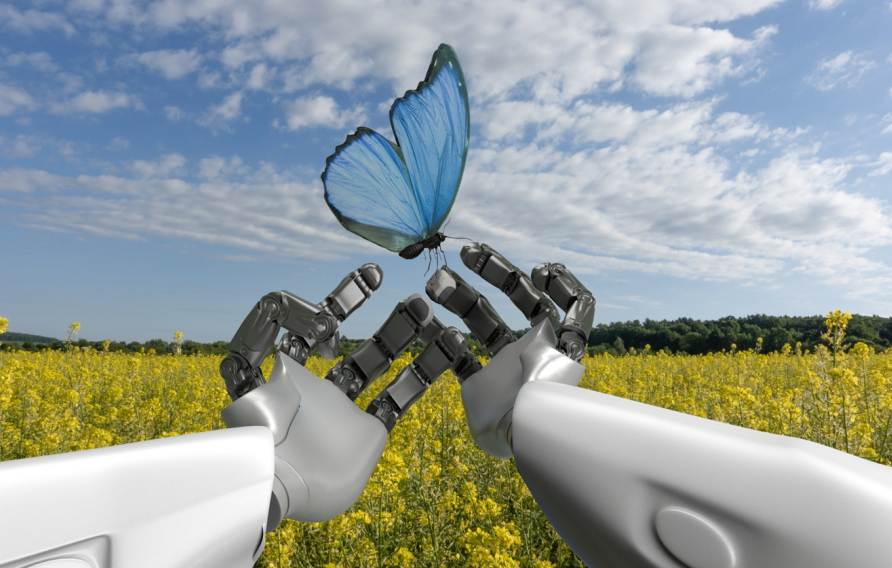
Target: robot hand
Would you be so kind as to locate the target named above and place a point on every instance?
(635, 486)
(549, 352)
(326, 448)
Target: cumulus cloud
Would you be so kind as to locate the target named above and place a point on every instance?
(164, 167)
(172, 64)
(33, 20)
(883, 165)
(23, 146)
(844, 69)
(824, 5)
(685, 61)
(657, 196)
(13, 98)
(174, 113)
(95, 102)
(313, 111)
(217, 168)
(219, 115)
(40, 60)
(118, 143)
(664, 48)
(887, 120)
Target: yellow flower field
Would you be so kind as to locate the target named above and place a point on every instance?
(435, 499)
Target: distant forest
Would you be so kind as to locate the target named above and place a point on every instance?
(682, 336)
(696, 337)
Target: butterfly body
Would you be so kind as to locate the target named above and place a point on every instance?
(415, 249)
(398, 195)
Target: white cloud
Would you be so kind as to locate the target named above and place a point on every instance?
(684, 61)
(164, 167)
(23, 146)
(664, 48)
(661, 199)
(887, 119)
(226, 111)
(235, 56)
(13, 98)
(687, 186)
(260, 76)
(844, 69)
(883, 164)
(118, 143)
(33, 20)
(39, 60)
(823, 4)
(173, 113)
(172, 64)
(285, 218)
(586, 123)
(218, 168)
(95, 102)
(313, 111)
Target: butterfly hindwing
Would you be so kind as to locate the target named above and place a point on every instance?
(397, 195)
(368, 189)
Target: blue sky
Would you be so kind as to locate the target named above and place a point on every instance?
(160, 161)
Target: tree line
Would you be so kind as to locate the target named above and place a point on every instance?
(757, 332)
(681, 336)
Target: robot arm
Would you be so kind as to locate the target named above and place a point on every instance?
(628, 485)
(326, 448)
(301, 449)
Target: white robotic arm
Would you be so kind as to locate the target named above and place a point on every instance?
(195, 501)
(296, 447)
(628, 485)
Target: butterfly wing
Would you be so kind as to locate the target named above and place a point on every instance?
(367, 187)
(432, 128)
(396, 195)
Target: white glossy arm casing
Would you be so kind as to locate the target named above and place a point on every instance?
(628, 485)
(194, 501)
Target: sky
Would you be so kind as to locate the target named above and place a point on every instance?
(160, 161)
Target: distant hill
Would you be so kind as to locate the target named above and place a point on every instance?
(22, 337)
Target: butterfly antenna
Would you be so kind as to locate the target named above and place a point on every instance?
(445, 236)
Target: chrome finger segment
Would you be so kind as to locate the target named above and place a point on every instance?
(410, 384)
(450, 291)
(572, 297)
(356, 371)
(495, 269)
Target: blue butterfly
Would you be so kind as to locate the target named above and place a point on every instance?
(398, 195)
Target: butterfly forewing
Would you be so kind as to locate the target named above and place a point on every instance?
(432, 126)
